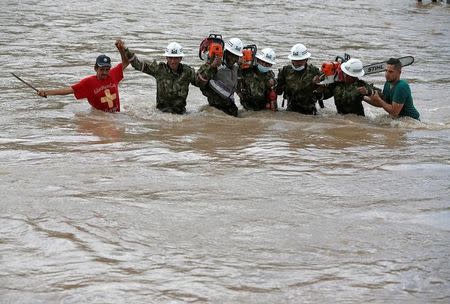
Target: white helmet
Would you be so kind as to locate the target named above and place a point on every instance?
(299, 52)
(353, 67)
(235, 46)
(174, 49)
(267, 55)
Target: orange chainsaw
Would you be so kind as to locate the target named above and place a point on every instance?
(248, 56)
(332, 70)
(212, 47)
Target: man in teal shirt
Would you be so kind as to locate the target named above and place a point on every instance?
(397, 101)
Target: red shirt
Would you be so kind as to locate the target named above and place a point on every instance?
(101, 94)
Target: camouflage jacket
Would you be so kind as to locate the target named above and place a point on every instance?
(172, 88)
(347, 98)
(253, 87)
(298, 88)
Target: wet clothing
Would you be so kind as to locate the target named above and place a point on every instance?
(172, 87)
(221, 87)
(401, 93)
(101, 94)
(298, 88)
(253, 87)
(347, 98)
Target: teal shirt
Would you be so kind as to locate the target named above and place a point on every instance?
(401, 93)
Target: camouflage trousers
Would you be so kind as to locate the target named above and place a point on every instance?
(355, 108)
(303, 109)
(171, 109)
(253, 104)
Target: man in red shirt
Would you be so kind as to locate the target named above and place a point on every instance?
(102, 89)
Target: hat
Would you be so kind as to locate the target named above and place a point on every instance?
(103, 61)
(174, 49)
(299, 52)
(266, 55)
(234, 46)
(353, 67)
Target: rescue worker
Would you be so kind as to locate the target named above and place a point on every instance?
(297, 81)
(256, 82)
(172, 78)
(218, 79)
(347, 96)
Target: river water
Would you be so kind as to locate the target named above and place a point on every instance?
(146, 207)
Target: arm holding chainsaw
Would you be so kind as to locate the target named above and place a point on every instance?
(207, 71)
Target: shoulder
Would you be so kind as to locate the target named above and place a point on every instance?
(402, 84)
(117, 71)
(117, 67)
(187, 68)
(269, 75)
(85, 83)
(88, 79)
(252, 70)
(313, 68)
(286, 69)
(205, 66)
(401, 88)
(362, 83)
(153, 64)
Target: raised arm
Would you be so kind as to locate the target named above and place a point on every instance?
(120, 45)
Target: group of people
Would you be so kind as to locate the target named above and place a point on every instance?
(223, 75)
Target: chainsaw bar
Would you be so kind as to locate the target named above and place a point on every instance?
(381, 66)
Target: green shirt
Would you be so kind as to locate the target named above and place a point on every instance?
(401, 93)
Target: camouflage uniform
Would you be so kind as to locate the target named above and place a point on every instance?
(347, 98)
(223, 103)
(298, 88)
(253, 87)
(172, 88)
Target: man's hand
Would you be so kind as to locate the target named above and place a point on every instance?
(316, 79)
(120, 45)
(216, 62)
(201, 79)
(374, 99)
(42, 93)
(363, 91)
